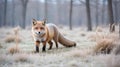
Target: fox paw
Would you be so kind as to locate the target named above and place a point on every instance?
(43, 50)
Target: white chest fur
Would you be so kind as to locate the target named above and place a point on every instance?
(39, 39)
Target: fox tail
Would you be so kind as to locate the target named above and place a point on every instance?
(65, 42)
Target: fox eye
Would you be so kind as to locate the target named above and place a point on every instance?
(42, 28)
(36, 28)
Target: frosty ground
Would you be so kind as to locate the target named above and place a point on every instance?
(78, 56)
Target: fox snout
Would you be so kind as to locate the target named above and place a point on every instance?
(40, 33)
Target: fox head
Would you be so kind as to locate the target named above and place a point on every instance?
(38, 27)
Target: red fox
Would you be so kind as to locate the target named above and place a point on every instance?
(45, 33)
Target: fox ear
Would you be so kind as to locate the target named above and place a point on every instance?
(44, 21)
(34, 22)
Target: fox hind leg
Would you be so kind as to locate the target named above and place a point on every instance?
(51, 44)
(56, 44)
(56, 40)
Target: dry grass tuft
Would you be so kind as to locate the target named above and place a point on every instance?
(11, 38)
(13, 50)
(97, 36)
(104, 46)
(16, 39)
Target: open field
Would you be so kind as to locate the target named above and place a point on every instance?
(80, 56)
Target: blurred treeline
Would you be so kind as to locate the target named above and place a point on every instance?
(87, 13)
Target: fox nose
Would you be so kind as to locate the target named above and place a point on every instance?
(39, 32)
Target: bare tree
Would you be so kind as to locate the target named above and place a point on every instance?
(97, 14)
(103, 11)
(58, 8)
(115, 3)
(24, 9)
(89, 25)
(119, 30)
(1, 12)
(110, 16)
(13, 13)
(5, 13)
(58, 11)
(70, 15)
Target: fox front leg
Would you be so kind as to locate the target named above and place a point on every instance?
(44, 47)
(37, 45)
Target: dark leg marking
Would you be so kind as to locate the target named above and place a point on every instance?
(51, 44)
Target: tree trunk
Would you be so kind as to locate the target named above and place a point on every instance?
(110, 16)
(119, 30)
(13, 13)
(58, 11)
(89, 25)
(1, 13)
(5, 13)
(24, 16)
(115, 11)
(70, 15)
(24, 9)
(103, 12)
(97, 12)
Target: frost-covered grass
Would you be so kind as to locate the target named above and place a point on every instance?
(79, 56)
